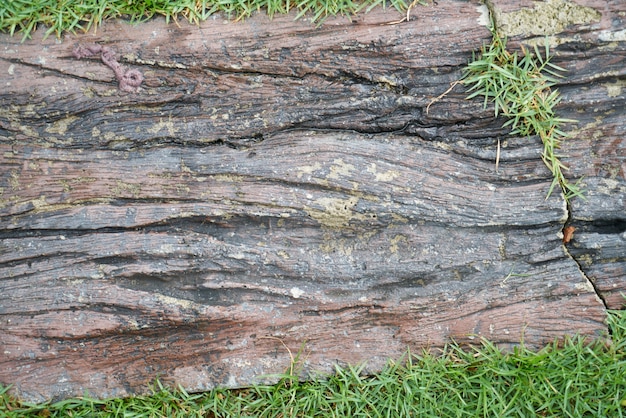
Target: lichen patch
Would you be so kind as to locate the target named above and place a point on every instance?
(164, 125)
(615, 89)
(546, 18)
(336, 213)
(309, 169)
(60, 127)
(181, 303)
(340, 168)
(386, 176)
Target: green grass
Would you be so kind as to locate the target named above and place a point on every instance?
(567, 379)
(59, 16)
(520, 87)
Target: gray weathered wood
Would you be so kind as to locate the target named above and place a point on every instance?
(275, 182)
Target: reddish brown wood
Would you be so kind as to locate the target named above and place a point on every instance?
(274, 182)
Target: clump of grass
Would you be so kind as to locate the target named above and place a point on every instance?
(571, 378)
(23, 16)
(520, 88)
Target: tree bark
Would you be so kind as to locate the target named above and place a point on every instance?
(276, 186)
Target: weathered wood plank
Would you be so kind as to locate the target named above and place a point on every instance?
(341, 76)
(282, 183)
(593, 94)
(590, 44)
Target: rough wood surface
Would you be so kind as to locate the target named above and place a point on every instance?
(274, 183)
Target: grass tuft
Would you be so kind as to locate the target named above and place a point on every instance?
(59, 16)
(569, 378)
(520, 87)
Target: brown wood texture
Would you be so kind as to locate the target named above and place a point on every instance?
(278, 185)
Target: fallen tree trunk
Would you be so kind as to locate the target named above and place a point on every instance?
(277, 185)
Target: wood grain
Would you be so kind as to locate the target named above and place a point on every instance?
(275, 182)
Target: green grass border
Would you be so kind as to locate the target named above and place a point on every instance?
(60, 16)
(569, 378)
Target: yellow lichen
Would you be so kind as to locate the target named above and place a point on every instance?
(545, 18)
(615, 89)
(121, 188)
(337, 213)
(340, 168)
(60, 126)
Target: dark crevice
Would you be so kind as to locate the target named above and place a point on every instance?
(55, 71)
(603, 226)
(165, 141)
(571, 256)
